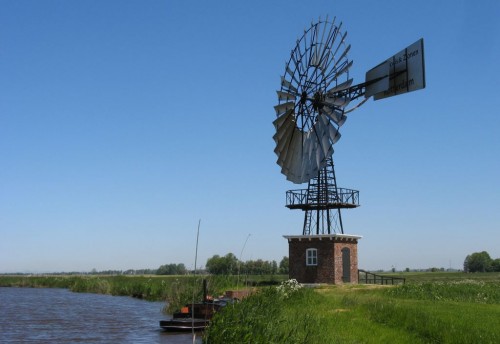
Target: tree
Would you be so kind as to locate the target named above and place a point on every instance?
(466, 264)
(478, 262)
(274, 267)
(284, 266)
(258, 267)
(226, 265)
(171, 269)
(495, 265)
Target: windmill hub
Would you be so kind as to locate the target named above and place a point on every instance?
(317, 102)
(303, 98)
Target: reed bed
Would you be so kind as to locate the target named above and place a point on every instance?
(176, 290)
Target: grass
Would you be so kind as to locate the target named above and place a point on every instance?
(145, 287)
(467, 290)
(455, 308)
(438, 276)
(176, 290)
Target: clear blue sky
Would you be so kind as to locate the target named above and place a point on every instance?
(122, 123)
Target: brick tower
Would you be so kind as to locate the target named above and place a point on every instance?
(323, 253)
(324, 258)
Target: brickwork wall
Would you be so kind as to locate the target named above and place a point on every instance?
(329, 268)
(353, 247)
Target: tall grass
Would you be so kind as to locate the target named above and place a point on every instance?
(264, 318)
(149, 288)
(441, 322)
(439, 312)
(439, 276)
(466, 290)
(37, 281)
(176, 290)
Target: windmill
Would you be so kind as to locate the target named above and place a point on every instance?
(316, 94)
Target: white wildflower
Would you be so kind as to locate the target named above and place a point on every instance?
(287, 288)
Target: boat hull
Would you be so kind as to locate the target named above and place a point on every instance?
(184, 324)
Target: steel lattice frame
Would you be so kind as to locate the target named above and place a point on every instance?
(322, 202)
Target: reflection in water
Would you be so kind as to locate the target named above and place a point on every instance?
(60, 316)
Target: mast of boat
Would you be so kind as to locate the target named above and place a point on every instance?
(239, 262)
(194, 288)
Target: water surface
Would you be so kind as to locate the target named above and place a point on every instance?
(41, 315)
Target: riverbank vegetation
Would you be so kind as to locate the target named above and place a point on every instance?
(176, 290)
(455, 308)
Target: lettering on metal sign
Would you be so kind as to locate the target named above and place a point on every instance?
(405, 72)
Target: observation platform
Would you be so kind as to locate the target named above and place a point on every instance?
(306, 200)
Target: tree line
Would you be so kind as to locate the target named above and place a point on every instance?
(216, 265)
(481, 262)
(230, 265)
(167, 269)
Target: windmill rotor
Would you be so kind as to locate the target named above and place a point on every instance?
(316, 89)
(312, 101)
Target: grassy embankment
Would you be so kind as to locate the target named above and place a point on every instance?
(430, 308)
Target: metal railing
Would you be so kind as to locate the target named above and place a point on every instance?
(371, 278)
(340, 196)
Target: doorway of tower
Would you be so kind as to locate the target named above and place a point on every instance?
(346, 265)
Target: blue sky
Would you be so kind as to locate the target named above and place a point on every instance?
(122, 123)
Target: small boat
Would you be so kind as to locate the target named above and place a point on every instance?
(195, 316)
(184, 324)
(192, 316)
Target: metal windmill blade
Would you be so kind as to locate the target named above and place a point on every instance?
(311, 104)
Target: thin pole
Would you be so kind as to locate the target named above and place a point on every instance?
(195, 261)
(239, 261)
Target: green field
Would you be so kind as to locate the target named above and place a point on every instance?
(429, 308)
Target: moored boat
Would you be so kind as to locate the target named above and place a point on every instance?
(195, 316)
(184, 324)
